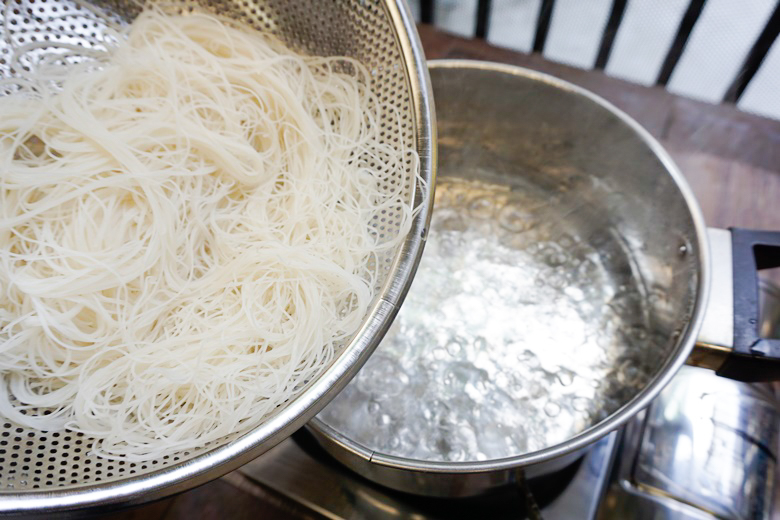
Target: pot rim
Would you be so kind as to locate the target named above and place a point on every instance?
(640, 401)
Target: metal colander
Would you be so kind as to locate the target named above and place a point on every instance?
(48, 471)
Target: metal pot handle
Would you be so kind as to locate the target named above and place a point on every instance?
(729, 340)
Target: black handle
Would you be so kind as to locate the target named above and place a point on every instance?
(753, 358)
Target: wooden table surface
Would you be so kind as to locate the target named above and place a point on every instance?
(731, 160)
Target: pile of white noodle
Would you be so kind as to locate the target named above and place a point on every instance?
(185, 232)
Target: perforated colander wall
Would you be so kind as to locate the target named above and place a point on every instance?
(35, 460)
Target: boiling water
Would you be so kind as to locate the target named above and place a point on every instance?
(516, 335)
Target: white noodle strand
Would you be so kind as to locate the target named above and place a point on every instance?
(185, 232)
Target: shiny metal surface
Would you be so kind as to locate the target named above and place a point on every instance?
(706, 447)
(330, 490)
(514, 128)
(716, 337)
(436, 479)
(583, 495)
(718, 326)
(706, 355)
(42, 472)
(769, 305)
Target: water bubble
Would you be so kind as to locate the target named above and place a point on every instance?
(481, 208)
(454, 348)
(552, 409)
(565, 377)
(580, 404)
(627, 373)
(450, 244)
(575, 293)
(529, 359)
(373, 407)
(566, 241)
(459, 374)
(514, 219)
(605, 340)
(638, 332)
(557, 281)
(409, 437)
(588, 269)
(517, 241)
(554, 257)
(493, 438)
(382, 376)
(626, 303)
(480, 343)
(450, 220)
(439, 353)
(463, 437)
(536, 390)
(657, 296)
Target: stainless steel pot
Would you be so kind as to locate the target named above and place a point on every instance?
(590, 164)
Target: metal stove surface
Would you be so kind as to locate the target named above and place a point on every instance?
(299, 470)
